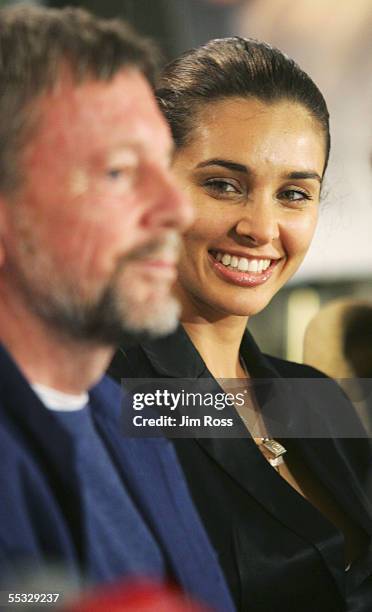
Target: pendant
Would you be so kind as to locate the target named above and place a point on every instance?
(276, 449)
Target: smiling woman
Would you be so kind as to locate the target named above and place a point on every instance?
(252, 145)
(253, 171)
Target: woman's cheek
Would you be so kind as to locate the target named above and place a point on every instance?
(197, 233)
(298, 233)
(210, 225)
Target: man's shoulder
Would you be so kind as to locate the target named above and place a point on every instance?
(110, 400)
(109, 396)
(13, 452)
(108, 390)
(20, 474)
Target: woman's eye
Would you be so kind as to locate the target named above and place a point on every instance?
(222, 187)
(295, 195)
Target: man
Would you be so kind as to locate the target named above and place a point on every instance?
(89, 218)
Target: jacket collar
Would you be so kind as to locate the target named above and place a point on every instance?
(29, 419)
(175, 356)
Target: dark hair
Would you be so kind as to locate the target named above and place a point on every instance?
(34, 44)
(238, 67)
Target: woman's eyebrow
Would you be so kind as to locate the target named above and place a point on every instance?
(304, 174)
(225, 163)
(235, 167)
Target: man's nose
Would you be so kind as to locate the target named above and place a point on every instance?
(259, 223)
(168, 206)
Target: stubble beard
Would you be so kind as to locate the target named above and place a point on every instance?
(112, 319)
(115, 316)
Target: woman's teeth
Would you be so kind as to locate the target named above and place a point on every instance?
(243, 264)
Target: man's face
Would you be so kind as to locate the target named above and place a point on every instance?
(90, 239)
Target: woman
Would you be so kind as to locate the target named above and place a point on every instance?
(252, 145)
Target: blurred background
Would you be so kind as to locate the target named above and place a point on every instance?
(332, 41)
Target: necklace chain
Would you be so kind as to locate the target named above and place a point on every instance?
(270, 448)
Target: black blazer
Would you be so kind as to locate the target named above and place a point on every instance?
(276, 549)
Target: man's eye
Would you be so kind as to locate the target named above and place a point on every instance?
(221, 186)
(120, 178)
(114, 173)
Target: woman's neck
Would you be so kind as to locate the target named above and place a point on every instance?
(217, 338)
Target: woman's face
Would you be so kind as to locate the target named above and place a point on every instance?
(253, 172)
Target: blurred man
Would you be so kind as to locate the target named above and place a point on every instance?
(89, 218)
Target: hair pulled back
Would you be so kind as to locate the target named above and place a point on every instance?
(234, 67)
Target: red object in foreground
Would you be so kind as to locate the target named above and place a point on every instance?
(135, 597)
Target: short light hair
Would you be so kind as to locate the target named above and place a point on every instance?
(34, 44)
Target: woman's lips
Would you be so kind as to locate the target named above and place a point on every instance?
(240, 278)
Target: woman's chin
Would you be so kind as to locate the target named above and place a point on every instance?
(230, 301)
(237, 307)
(244, 311)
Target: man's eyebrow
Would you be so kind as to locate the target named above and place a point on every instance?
(304, 174)
(224, 163)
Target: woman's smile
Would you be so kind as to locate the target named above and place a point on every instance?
(242, 270)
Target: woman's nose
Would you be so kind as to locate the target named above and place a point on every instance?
(259, 223)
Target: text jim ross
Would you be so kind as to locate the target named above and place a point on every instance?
(182, 399)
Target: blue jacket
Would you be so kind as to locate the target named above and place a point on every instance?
(41, 517)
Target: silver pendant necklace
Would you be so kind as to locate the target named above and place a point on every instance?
(274, 449)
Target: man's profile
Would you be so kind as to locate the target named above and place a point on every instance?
(89, 224)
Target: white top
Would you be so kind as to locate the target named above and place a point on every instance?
(57, 400)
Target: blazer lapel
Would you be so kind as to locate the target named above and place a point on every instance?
(241, 459)
(342, 464)
(31, 420)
